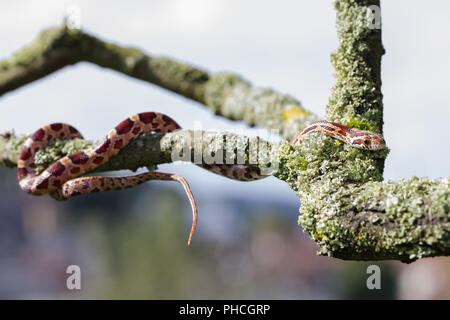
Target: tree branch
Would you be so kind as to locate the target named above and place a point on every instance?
(345, 207)
(152, 149)
(227, 95)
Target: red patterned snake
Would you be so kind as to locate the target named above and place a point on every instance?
(356, 138)
(60, 180)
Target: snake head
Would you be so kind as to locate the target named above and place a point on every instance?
(371, 141)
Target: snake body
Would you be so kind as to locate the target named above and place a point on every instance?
(360, 139)
(61, 179)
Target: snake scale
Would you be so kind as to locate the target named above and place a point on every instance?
(61, 179)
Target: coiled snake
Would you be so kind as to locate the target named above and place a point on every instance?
(60, 180)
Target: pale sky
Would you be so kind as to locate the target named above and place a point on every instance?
(283, 44)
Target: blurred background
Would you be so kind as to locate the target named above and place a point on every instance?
(131, 244)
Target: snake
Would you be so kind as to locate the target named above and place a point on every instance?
(61, 180)
(361, 139)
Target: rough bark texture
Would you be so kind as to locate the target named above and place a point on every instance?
(152, 149)
(345, 205)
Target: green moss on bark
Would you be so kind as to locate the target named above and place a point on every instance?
(404, 220)
(356, 94)
(10, 148)
(352, 215)
(345, 206)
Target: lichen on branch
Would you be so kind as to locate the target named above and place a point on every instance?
(345, 205)
(353, 215)
(151, 149)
